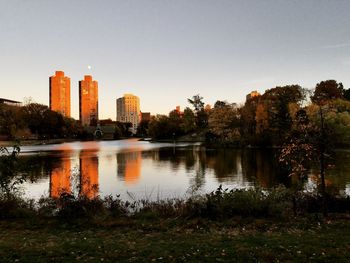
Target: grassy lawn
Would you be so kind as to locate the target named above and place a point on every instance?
(176, 240)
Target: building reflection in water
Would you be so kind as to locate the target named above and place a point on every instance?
(129, 166)
(88, 162)
(60, 176)
(63, 179)
(60, 179)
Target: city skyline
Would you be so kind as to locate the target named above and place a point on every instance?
(169, 51)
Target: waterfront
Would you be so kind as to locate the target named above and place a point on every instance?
(142, 170)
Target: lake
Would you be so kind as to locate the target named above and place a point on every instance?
(143, 170)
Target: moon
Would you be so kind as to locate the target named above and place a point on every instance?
(89, 67)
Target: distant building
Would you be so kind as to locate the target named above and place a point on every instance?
(207, 108)
(252, 95)
(128, 110)
(60, 93)
(88, 101)
(10, 102)
(178, 110)
(145, 116)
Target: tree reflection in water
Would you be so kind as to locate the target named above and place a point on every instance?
(195, 168)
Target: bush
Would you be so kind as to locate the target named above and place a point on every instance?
(70, 207)
(12, 206)
(251, 203)
(219, 204)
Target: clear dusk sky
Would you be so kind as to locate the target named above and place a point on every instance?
(166, 51)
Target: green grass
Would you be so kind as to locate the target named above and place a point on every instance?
(176, 240)
(222, 226)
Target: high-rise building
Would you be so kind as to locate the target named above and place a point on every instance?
(88, 101)
(60, 93)
(128, 110)
(252, 95)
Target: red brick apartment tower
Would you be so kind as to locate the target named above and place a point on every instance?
(88, 101)
(60, 93)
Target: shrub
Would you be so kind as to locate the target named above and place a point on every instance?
(255, 202)
(70, 207)
(12, 206)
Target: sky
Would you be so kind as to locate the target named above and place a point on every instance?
(167, 51)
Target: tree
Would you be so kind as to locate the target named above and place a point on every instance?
(200, 113)
(142, 128)
(175, 124)
(11, 121)
(9, 170)
(248, 120)
(224, 122)
(159, 127)
(197, 103)
(188, 121)
(346, 94)
(122, 129)
(34, 115)
(220, 104)
(309, 142)
(277, 101)
(261, 118)
(327, 90)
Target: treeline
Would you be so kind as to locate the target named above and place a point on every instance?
(264, 120)
(36, 121)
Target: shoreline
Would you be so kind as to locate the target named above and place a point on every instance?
(201, 142)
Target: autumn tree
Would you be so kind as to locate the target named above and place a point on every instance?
(327, 90)
(224, 122)
(277, 101)
(248, 120)
(308, 143)
(261, 119)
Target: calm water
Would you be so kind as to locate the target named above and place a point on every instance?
(135, 170)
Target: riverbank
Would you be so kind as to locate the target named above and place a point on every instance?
(177, 240)
(224, 226)
(51, 141)
(34, 142)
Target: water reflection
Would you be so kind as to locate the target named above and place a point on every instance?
(68, 179)
(60, 179)
(261, 166)
(129, 166)
(88, 173)
(94, 168)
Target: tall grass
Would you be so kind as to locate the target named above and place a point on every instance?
(220, 204)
